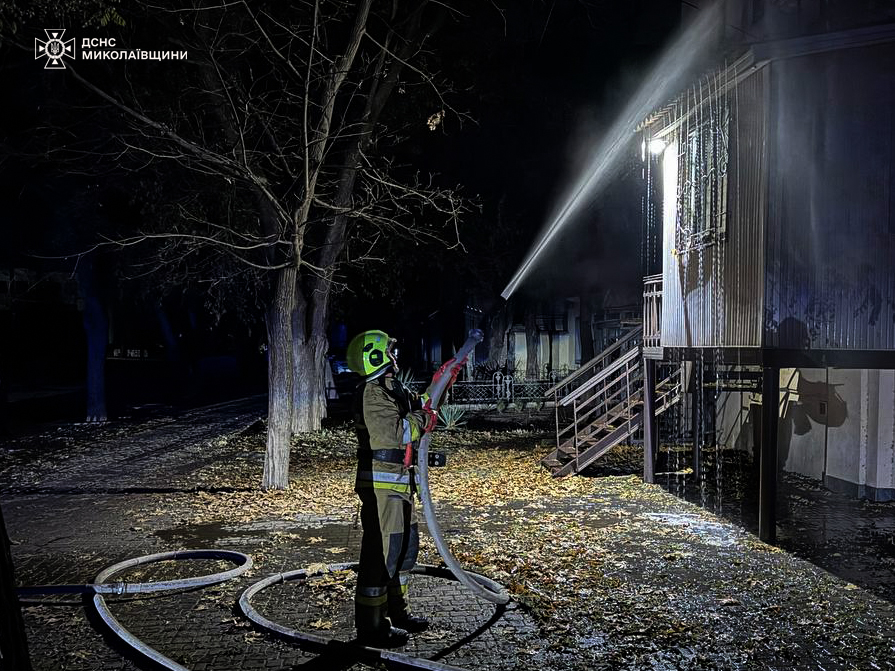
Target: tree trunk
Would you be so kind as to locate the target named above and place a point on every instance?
(13, 645)
(497, 338)
(584, 329)
(96, 330)
(4, 394)
(309, 394)
(532, 345)
(310, 357)
(280, 380)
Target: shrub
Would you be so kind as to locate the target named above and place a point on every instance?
(406, 378)
(451, 417)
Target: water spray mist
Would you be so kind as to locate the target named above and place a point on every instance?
(693, 44)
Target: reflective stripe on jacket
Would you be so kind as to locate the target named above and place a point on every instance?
(379, 478)
(385, 422)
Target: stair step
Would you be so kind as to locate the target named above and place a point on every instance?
(614, 414)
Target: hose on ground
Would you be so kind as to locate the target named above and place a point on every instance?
(99, 587)
(321, 643)
(436, 391)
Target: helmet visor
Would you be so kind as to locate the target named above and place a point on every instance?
(391, 351)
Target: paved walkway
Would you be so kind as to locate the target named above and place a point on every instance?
(68, 524)
(639, 579)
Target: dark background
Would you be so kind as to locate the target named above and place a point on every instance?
(540, 81)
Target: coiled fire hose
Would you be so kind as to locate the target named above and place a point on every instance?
(437, 389)
(481, 586)
(244, 562)
(309, 640)
(100, 587)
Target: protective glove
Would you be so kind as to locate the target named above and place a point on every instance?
(451, 367)
(418, 402)
(431, 419)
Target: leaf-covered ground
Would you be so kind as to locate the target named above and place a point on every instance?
(619, 574)
(616, 573)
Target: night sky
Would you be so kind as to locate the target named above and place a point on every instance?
(539, 82)
(548, 90)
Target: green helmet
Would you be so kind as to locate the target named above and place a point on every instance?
(371, 353)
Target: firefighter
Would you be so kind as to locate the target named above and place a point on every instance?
(389, 419)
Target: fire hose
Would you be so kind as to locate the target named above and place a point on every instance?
(437, 390)
(481, 586)
(323, 644)
(100, 587)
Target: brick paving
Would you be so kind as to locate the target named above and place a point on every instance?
(78, 519)
(739, 605)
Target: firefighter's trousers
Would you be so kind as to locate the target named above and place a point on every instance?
(389, 548)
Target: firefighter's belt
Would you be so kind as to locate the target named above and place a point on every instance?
(391, 456)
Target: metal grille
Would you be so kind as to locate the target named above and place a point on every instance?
(500, 388)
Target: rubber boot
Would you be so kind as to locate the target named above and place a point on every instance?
(412, 623)
(399, 608)
(374, 629)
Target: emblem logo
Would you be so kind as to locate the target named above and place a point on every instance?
(54, 49)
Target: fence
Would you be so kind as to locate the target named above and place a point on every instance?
(500, 389)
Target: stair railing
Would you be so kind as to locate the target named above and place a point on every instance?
(596, 397)
(629, 340)
(621, 401)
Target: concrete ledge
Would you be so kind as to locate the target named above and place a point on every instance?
(858, 491)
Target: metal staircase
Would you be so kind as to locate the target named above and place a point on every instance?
(601, 404)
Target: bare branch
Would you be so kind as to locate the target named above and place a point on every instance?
(225, 164)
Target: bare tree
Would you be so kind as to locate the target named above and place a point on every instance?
(532, 343)
(270, 145)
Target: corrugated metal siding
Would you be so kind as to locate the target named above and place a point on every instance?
(713, 295)
(746, 218)
(830, 280)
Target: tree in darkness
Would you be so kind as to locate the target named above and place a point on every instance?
(266, 160)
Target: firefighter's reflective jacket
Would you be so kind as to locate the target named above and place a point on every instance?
(387, 418)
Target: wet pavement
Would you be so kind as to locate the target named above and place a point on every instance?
(606, 573)
(853, 539)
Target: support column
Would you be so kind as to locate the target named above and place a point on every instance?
(767, 484)
(696, 423)
(650, 434)
(755, 418)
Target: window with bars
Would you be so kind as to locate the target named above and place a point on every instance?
(702, 169)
